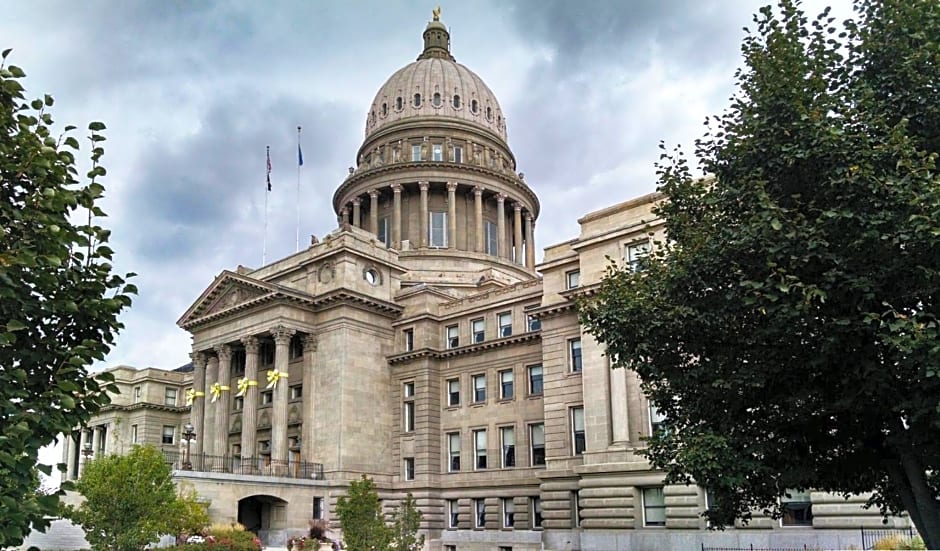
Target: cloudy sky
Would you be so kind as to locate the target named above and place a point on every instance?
(192, 92)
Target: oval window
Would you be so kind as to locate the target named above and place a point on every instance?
(474, 106)
(417, 100)
(371, 276)
(436, 100)
(489, 114)
(384, 109)
(398, 103)
(456, 101)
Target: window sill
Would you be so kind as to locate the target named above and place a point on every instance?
(477, 404)
(505, 400)
(452, 407)
(535, 396)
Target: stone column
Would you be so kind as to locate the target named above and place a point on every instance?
(423, 186)
(343, 215)
(279, 451)
(529, 242)
(310, 394)
(396, 216)
(221, 404)
(478, 217)
(96, 440)
(250, 399)
(209, 428)
(197, 409)
(501, 225)
(374, 211)
(84, 438)
(517, 231)
(452, 215)
(357, 211)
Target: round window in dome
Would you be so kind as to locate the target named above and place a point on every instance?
(474, 106)
(456, 101)
(436, 100)
(489, 114)
(417, 100)
(398, 103)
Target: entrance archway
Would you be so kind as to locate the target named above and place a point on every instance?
(255, 513)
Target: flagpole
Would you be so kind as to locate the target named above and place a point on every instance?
(300, 163)
(267, 191)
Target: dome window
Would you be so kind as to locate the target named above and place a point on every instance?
(489, 114)
(417, 100)
(436, 100)
(474, 107)
(384, 109)
(456, 101)
(398, 103)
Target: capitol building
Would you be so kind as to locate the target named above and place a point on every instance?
(420, 344)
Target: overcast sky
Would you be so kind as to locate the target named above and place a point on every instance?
(192, 92)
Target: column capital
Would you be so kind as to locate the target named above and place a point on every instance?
(224, 351)
(423, 186)
(310, 343)
(199, 359)
(251, 344)
(373, 194)
(517, 207)
(529, 218)
(478, 190)
(501, 197)
(357, 201)
(282, 335)
(451, 187)
(396, 188)
(344, 211)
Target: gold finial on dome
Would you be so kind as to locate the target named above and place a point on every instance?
(436, 12)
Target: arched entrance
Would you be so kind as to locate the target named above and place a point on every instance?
(256, 514)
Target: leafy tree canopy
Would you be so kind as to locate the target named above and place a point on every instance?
(361, 519)
(405, 525)
(788, 327)
(130, 501)
(59, 300)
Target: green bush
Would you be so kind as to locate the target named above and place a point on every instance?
(897, 542)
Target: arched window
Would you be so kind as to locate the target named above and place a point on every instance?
(436, 100)
(456, 101)
(474, 107)
(417, 100)
(489, 114)
(398, 103)
(384, 109)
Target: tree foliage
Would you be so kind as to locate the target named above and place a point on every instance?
(405, 524)
(59, 300)
(361, 519)
(788, 327)
(130, 501)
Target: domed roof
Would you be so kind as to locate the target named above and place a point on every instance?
(436, 86)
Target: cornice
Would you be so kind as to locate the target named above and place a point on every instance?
(464, 350)
(144, 405)
(570, 296)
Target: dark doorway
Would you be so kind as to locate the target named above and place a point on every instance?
(254, 513)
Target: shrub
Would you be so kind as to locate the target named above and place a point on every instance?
(897, 542)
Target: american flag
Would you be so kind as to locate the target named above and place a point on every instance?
(269, 167)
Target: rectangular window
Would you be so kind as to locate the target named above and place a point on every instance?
(415, 152)
(534, 323)
(505, 324)
(505, 385)
(296, 392)
(169, 396)
(479, 519)
(296, 348)
(266, 353)
(409, 468)
(576, 509)
(797, 509)
(537, 439)
(453, 513)
(137, 394)
(169, 434)
(635, 253)
(458, 154)
(507, 437)
(437, 229)
(572, 279)
(453, 450)
(453, 336)
(317, 507)
(384, 234)
(574, 355)
(238, 403)
(437, 152)
(535, 379)
(577, 430)
(479, 448)
(409, 335)
(133, 434)
(509, 512)
(479, 388)
(409, 416)
(267, 397)
(408, 389)
(453, 392)
(536, 508)
(491, 236)
(657, 419)
(238, 362)
(478, 328)
(654, 506)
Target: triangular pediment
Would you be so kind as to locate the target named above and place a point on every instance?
(229, 291)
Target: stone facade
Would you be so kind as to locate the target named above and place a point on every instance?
(420, 344)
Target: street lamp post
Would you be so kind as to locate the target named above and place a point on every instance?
(189, 432)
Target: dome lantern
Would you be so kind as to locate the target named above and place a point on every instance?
(436, 39)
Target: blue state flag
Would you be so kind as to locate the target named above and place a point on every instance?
(300, 156)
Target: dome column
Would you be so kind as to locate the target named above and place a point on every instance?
(396, 216)
(374, 211)
(478, 217)
(452, 215)
(357, 212)
(517, 231)
(529, 241)
(343, 216)
(423, 241)
(501, 225)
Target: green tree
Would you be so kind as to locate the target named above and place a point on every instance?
(130, 501)
(59, 300)
(788, 328)
(405, 525)
(361, 519)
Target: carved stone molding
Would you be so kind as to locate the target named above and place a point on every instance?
(282, 335)
(251, 344)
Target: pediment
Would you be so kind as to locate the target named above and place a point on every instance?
(228, 291)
